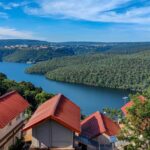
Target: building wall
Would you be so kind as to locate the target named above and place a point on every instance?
(103, 139)
(4, 131)
(6, 134)
(89, 147)
(50, 134)
(61, 136)
(41, 135)
(11, 141)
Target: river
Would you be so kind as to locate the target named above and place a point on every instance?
(90, 99)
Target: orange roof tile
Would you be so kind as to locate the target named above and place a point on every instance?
(97, 124)
(130, 104)
(11, 105)
(59, 109)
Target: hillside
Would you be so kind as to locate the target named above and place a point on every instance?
(128, 71)
(10, 42)
(33, 94)
(35, 55)
(35, 51)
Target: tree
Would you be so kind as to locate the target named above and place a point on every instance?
(137, 125)
(42, 97)
(2, 76)
(32, 94)
(114, 114)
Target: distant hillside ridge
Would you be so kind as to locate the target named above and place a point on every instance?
(23, 50)
(12, 42)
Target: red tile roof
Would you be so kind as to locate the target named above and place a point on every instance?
(59, 109)
(97, 124)
(11, 105)
(130, 104)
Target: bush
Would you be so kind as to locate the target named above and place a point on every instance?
(18, 145)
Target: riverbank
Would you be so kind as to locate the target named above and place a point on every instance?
(127, 72)
(88, 98)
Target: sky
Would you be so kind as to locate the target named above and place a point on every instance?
(75, 20)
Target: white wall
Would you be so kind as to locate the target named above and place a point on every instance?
(41, 135)
(51, 134)
(61, 136)
(8, 129)
(16, 121)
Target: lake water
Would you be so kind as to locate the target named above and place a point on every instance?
(90, 99)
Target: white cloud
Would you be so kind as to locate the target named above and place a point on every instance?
(3, 15)
(3, 6)
(91, 10)
(6, 32)
(12, 5)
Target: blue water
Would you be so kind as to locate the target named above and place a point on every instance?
(90, 99)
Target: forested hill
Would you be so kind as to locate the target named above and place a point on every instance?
(24, 50)
(116, 65)
(128, 71)
(33, 94)
(33, 54)
(12, 42)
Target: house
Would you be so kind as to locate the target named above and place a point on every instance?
(54, 124)
(130, 104)
(12, 107)
(100, 128)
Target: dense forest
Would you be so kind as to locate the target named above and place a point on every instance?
(35, 51)
(33, 55)
(34, 95)
(128, 71)
(115, 65)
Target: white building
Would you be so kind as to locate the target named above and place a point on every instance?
(99, 128)
(54, 124)
(12, 107)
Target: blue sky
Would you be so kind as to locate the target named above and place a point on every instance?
(75, 20)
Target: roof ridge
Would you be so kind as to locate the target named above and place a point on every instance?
(104, 124)
(56, 105)
(89, 116)
(70, 100)
(102, 119)
(57, 110)
(7, 94)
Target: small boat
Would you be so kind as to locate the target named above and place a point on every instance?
(125, 97)
(30, 62)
